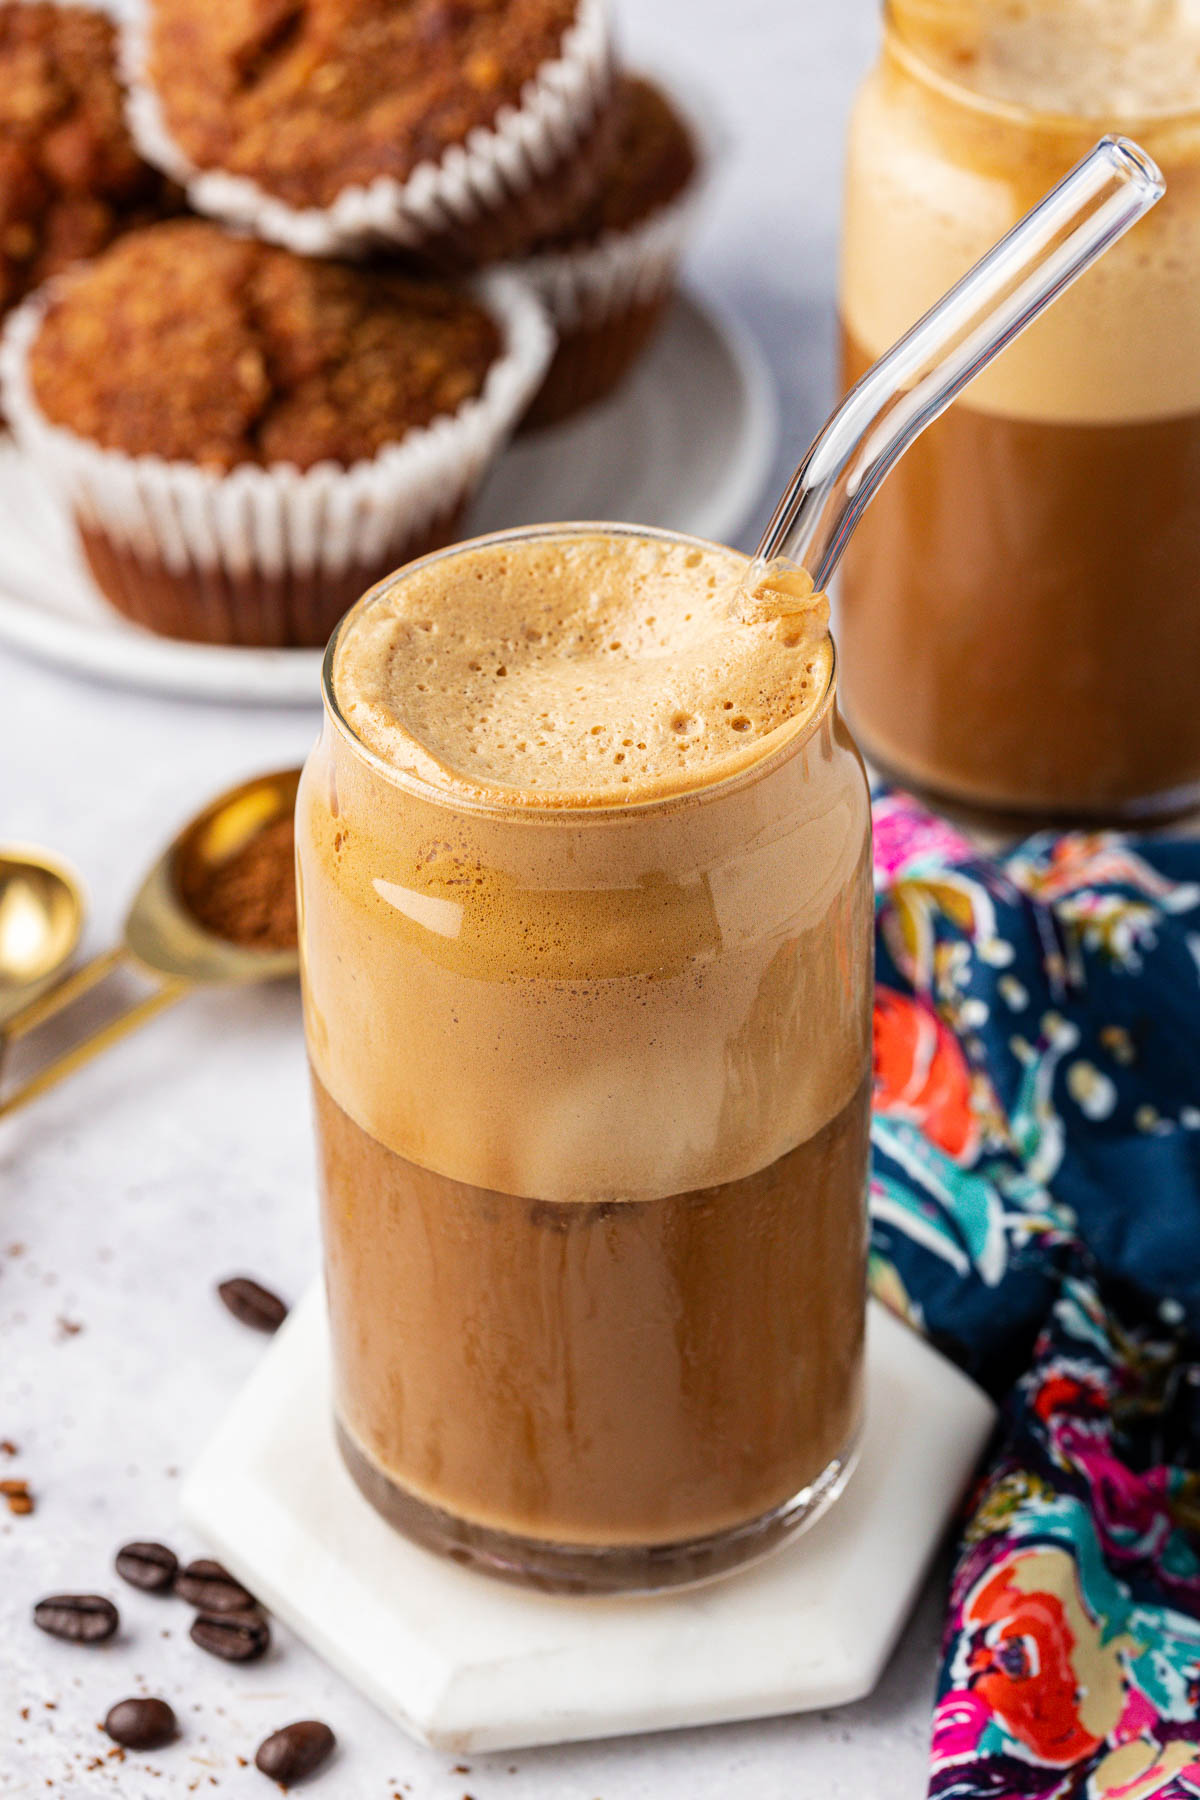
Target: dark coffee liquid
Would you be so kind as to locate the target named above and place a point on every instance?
(1020, 614)
(637, 1373)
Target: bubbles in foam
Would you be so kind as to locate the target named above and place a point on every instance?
(583, 668)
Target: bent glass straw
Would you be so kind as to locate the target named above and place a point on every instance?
(915, 381)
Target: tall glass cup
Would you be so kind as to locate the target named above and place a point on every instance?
(1033, 563)
(591, 1097)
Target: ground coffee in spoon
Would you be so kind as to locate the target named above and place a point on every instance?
(250, 898)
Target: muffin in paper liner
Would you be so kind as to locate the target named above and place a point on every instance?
(606, 299)
(72, 178)
(272, 556)
(484, 200)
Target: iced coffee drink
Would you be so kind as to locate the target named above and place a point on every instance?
(1032, 564)
(586, 935)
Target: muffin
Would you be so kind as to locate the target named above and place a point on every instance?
(606, 279)
(461, 130)
(246, 438)
(70, 177)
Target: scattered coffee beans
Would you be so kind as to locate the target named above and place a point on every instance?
(80, 1618)
(209, 1586)
(295, 1752)
(150, 1567)
(234, 1637)
(141, 1724)
(252, 1304)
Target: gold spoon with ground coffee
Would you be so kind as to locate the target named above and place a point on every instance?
(219, 906)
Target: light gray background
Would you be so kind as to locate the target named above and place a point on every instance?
(185, 1155)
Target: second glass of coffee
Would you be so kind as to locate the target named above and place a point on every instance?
(586, 926)
(1032, 565)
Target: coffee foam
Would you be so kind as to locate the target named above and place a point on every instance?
(936, 175)
(585, 669)
(581, 1003)
(1087, 59)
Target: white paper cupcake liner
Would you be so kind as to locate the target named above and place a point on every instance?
(293, 543)
(589, 290)
(585, 288)
(441, 205)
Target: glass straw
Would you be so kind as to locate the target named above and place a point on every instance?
(915, 381)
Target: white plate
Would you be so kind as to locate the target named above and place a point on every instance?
(687, 443)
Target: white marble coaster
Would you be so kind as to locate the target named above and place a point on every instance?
(467, 1663)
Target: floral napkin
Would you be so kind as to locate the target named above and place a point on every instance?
(1036, 1213)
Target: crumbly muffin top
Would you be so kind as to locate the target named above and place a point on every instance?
(653, 159)
(308, 97)
(70, 178)
(185, 342)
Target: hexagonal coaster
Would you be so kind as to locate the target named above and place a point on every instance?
(467, 1663)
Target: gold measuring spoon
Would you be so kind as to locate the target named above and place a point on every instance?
(41, 917)
(163, 939)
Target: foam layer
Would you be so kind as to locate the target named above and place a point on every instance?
(1125, 59)
(583, 669)
(935, 177)
(581, 1002)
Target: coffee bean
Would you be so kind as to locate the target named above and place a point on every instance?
(295, 1752)
(80, 1618)
(252, 1304)
(141, 1724)
(150, 1567)
(210, 1587)
(234, 1637)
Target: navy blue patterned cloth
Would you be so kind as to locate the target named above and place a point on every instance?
(1036, 1212)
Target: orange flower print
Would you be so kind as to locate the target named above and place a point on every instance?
(1037, 1661)
(921, 1074)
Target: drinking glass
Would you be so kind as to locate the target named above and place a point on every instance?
(592, 1091)
(1018, 621)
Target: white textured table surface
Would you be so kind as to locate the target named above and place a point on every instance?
(184, 1155)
